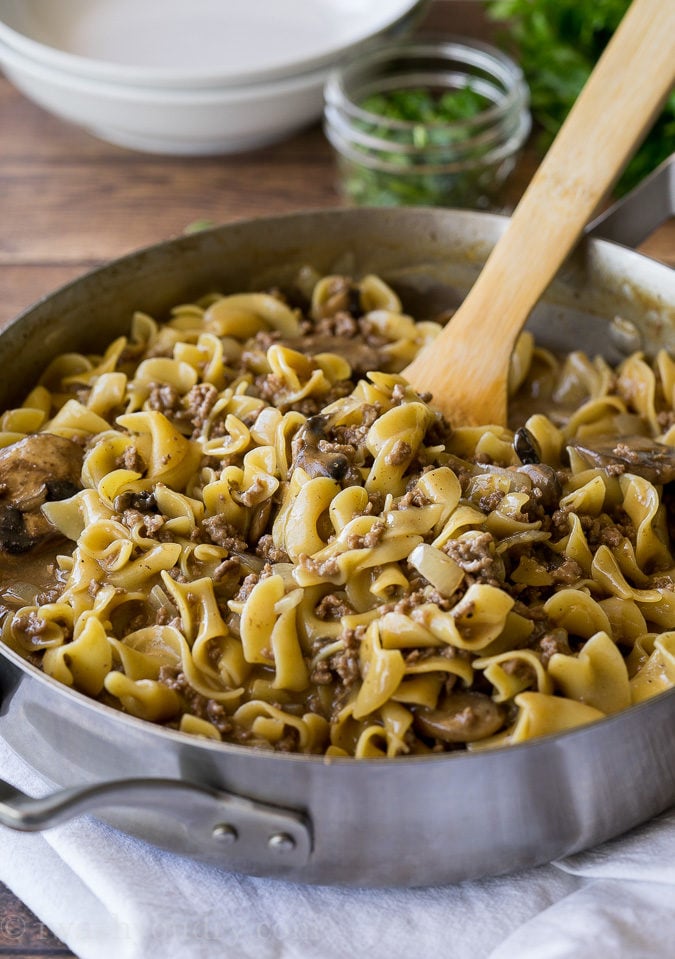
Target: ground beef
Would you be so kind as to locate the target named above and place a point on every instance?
(346, 663)
(321, 674)
(269, 552)
(131, 459)
(398, 394)
(626, 453)
(399, 454)
(219, 531)
(440, 431)
(251, 496)
(554, 641)
(414, 497)
(176, 574)
(150, 523)
(333, 607)
(369, 539)
(167, 616)
(567, 573)
(288, 742)
(326, 567)
(164, 399)
(274, 390)
(476, 557)
(342, 296)
(341, 323)
(198, 404)
(355, 435)
(270, 388)
(464, 474)
(559, 523)
(30, 624)
(611, 536)
(490, 501)
(608, 530)
(419, 596)
(263, 339)
(521, 670)
(414, 656)
(195, 703)
(247, 587)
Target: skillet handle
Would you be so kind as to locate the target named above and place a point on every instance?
(640, 212)
(181, 816)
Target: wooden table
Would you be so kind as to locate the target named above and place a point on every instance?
(70, 202)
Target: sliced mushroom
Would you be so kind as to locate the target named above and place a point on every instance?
(629, 454)
(37, 469)
(526, 446)
(14, 537)
(518, 479)
(545, 479)
(259, 520)
(464, 717)
(314, 452)
(143, 501)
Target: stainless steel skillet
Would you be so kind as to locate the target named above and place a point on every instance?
(405, 821)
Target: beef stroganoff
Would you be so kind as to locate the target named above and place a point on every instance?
(244, 524)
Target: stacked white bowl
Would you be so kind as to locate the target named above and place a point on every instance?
(188, 77)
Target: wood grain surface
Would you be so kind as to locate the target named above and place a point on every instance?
(69, 202)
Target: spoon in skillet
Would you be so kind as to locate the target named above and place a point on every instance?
(466, 368)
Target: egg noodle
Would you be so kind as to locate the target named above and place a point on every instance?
(277, 546)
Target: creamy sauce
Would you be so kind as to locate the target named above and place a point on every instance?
(30, 572)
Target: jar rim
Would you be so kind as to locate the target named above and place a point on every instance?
(467, 51)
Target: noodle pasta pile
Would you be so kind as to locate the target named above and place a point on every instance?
(279, 543)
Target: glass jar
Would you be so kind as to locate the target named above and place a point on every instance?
(428, 122)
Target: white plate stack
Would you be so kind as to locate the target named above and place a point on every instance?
(188, 77)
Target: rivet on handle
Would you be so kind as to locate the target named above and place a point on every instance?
(225, 833)
(281, 842)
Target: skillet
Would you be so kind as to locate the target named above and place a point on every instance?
(408, 821)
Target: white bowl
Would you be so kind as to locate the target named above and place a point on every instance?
(188, 43)
(180, 122)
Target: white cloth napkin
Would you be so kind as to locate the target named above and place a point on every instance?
(108, 896)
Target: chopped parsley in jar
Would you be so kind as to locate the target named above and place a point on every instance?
(426, 107)
(427, 124)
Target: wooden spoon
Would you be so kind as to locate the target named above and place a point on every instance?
(466, 369)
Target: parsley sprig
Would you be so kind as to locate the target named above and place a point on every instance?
(557, 43)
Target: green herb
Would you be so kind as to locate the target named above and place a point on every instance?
(435, 119)
(557, 43)
(420, 105)
(198, 225)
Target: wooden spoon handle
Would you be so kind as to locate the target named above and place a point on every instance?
(467, 367)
